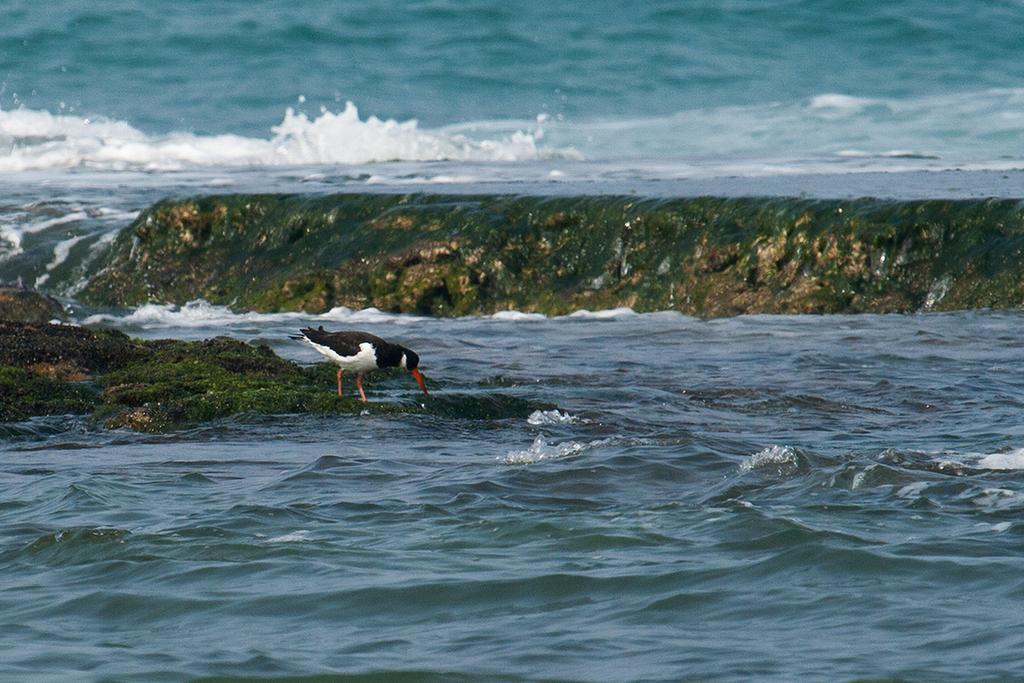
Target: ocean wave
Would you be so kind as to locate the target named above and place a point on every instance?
(778, 460)
(200, 313)
(840, 102)
(1010, 460)
(540, 450)
(827, 132)
(292, 537)
(40, 140)
(607, 314)
(517, 316)
(551, 417)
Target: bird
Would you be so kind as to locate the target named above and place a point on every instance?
(361, 352)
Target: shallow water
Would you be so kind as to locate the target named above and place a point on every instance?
(760, 497)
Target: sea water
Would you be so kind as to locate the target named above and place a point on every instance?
(756, 498)
(771, 498)
(726, 85)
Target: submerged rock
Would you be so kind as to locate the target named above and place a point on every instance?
(460, 255)
(29, 306)
(160, 385)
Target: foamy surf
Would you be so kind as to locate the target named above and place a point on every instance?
(541, 450)
(540, 418)
(39, 140)
(829, 132)
(200, 313)
(775, 460)
(1010, 460)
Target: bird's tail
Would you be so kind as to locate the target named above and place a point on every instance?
(308, 333)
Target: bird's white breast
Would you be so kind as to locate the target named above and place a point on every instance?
(363, 361)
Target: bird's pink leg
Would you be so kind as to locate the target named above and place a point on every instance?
(359, 385)
(339, 382)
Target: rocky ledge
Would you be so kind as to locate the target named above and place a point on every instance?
(121, 382)
(460, 255)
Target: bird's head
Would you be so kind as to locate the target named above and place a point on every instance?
(411, 362)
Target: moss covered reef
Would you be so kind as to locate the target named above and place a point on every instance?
(160, 385)
(439, 255)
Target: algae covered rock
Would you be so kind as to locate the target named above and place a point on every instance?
(28, 306)
(44, 368)
(461, 255)
(190, 382)
(149, 385)
(64, 351)
(166, 384)
(25, 393)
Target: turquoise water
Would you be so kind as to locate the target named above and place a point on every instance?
(740, 86)
(759, 498)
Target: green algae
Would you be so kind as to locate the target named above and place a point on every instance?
(166, 384)
(192, 382)
(181, 382)
(26, 394)
(462, 255)
(64, 351)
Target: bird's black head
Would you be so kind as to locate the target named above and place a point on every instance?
(412, 359)
(412, 363)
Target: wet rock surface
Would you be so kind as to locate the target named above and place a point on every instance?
(28, 306)
(165, 384)
(463, 255)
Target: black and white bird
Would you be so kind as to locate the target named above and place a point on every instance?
(362, 352)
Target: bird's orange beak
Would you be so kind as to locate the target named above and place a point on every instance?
(419, 380)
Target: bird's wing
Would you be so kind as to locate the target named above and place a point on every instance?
(343, 343)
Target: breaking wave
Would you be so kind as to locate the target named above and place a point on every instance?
(829, 132)
(39, 140)
(201, 314)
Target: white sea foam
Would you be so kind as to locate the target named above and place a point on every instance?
(772, 457)
(551, 417)
(199, 313)
(15, 226)
(839, 102)
(37, 140)
(61, 251)
(540, 450)
(602, 314)
(32, 219)
(829, 132)
(518, 316)
(607, 314)
(441, 179)
(1003, 460)
(1012, 460)
(293, 537)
